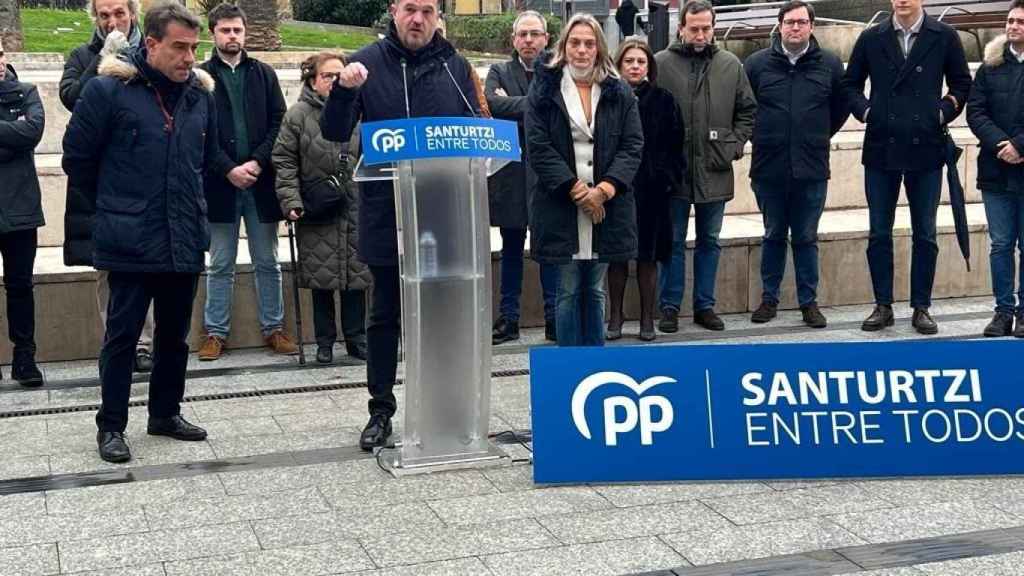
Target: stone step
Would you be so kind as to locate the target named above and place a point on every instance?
(68, 326)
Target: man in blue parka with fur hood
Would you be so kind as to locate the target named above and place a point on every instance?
(138, 140)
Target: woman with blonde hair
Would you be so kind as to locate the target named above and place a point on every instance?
(315, 188)
(584, 141)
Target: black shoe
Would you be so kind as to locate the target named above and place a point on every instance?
(669, 322)
(880, 318)
(764, 313)
(113, 447)
(813, 316)
(325, 354)
(376, 433)
(1018, 331)
(143, 361)
(357, 350)
(923, 322)
(549, 331)
(175, 427)
(708, 319)
(1001, 325)
(505, 330)
(25, 371)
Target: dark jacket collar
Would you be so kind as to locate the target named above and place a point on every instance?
(438, 48)
(128, 69)
(813, 50)
(309, 96)
(10, 80)
(687, 50)
(216, 60)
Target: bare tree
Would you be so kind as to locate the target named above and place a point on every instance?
(262, 31)
(10, 26)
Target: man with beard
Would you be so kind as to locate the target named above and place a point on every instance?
(240, 184)
(117, 31)
(412, 72)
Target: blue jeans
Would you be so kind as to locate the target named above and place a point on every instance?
(791, 207)
(672, 274)
(883, 192)
(513, 241)
(581, 298)
(220, 279)
(1005, 214)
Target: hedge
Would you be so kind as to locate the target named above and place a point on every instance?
(350, 12)
(491, 33)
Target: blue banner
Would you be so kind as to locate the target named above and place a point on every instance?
(416, 138)
(771, 411)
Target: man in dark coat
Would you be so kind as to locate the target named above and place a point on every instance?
(506, 87)
(800, 106)
(907, 57)
(625, 17)
(116, 31)
(995, 113)
(411, 72)
(139, 140)
(240, 184)
(21, 213)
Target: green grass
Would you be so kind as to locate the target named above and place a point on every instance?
(64, 30)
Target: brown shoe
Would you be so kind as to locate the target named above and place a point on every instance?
(212, 348)
(280, 343)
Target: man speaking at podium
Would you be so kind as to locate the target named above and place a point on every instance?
(411, 72)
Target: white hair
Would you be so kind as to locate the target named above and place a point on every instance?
(133, 7)
(529, 14)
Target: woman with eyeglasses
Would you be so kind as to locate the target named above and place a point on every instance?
(313, 172)
(661, 171)
(584, 141)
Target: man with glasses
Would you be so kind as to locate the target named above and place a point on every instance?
(800, 106)
(907, 58)
(506, 87)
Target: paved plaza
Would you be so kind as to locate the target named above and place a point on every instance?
(281, 488)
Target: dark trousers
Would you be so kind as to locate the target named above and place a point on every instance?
(18, 250)
(1005, 214)
(130, 295)
(353, 317)
(382, 337)
(791, 211)
(883, 192)
(513, 242)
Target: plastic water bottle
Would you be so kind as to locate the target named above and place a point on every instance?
(428, 255)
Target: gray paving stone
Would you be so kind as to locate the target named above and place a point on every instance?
(84, 423)
(158, 546)
(910, 492)
(419, 546)
(43, 528)
(626, 495)
(633, 522)
(38, 560)
(97, 499)
(511, 478)
(460, 567)
(274, 479)
(924, 521)
(542, 502)
(888, 572)
(221, 429)
(24, 400)
(228, 509)
(733, 543)
(146, 570)
(19, 505)
(265, 406)
(795, 504)
(341, 556)
(25, 467)
(368, 521)
(409, 489)
(601, 559)
(785, 485)
(354, 417)
(165, 451)
(996, 565)
(270, 443)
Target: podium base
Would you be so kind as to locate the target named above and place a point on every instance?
(391, 460)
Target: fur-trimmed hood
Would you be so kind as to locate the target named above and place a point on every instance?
(548, 82)
(125, 69)
(995, 51)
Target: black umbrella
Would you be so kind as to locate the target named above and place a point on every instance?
(956, 197)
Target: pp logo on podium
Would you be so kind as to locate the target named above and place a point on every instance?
(635, 411)
(385, 140)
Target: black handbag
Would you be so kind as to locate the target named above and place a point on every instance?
(322, 199)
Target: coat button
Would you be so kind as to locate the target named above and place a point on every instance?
(917, 117)
(591, 140)
(917, 140)
(892, 117)
(892, 140)
(919, 69)
(590, 162)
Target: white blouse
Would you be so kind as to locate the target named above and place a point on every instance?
(583, 152)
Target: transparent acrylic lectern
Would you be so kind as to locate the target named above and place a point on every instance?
(445, 266)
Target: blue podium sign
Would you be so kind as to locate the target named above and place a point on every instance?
(636, 414)
(439, 137)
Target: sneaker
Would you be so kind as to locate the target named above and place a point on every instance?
(280, 343)
(1001, 325)
(212, 348)
(669, 322)
(143, 361)
(764, 313)
(813, 316)
(708, 319)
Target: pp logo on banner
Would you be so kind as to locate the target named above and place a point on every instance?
(385, 140)
(633, 412)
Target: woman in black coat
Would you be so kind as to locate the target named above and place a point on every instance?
(660, 171)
